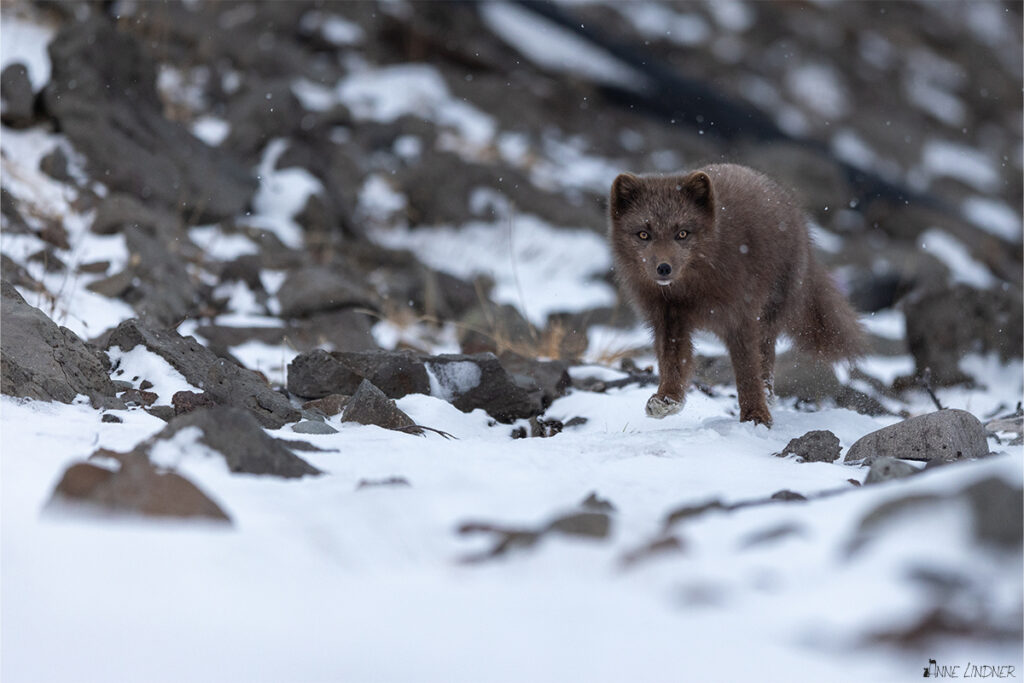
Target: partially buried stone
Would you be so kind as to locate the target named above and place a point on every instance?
(313, 427)
(884, 469)
(817, 446)
(944, 436)
(370, 406)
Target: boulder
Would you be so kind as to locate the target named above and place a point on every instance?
(480, 381)
(222, 381)
(371, 406)
(884, 469)
(43, 361)
(137, 487)
(942, 437)
(18, 100)
(320, 373)
(316, 289)
(816, 446)
(125, 138)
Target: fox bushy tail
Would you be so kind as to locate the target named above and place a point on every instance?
(827, 326)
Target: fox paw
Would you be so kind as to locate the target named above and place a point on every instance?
(662, 406)
(759, 416)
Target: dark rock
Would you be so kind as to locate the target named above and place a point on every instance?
(550, 378)
(111, 418)
(138, 398)
(320, 373)
(114, 286)
(55, 165)
(187, 401)
(162, 292)
(685, 512)
(222, 381)
(998, 511)
(118, 211)
(945, 435)
(125, 138)
(165, 413)
(319, 288)
(261, 111)
(944, 324)
(15, 274)
(816, 446)
(370, 406)
(43, 361)
(543, 428)
(136, 488)
(19, 102)
(53, 232)
(13, 221)
(494, 328)
(50, 261)
(787, 496)
(239, 438)
(345, 330)
(390, 482)
(771, 535)
(329, 405)
(480, 381)
(659, 547)
(595, 503)
(589, 524)
(313, 427)
(884, 469)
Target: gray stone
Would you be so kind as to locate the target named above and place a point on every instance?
(223, 382)
(238, 437)
(370, 406)
(313, 427)
(17, 97)
(816, 446)
(320, 288)
(480, 381)
(943, 436)
(125, 137)
(998, 510)
(43, 361)
(884, 469)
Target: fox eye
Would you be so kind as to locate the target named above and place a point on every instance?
(681, 235)
(644, 235)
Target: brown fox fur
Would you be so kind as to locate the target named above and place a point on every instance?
(725, 249)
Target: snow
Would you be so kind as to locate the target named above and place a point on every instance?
(940, 158)
(957, 257)
(336, 30)
(139, 364)
(211, 130)
(282, 194)
(657, 21)
(25, 41)
(818, 87)
(448, 380)
(385, 94)
(536, 267)
(223, 247)
(553, 47)
(993, 216)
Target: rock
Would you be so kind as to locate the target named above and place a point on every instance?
(187, 401)
(786, 496)
(884, 469)
(222, 381)
(659, 547)
(136, 488)
(165, 413)
(125, 138)
(19, 102)
(13, 221)
(55, 165)
(595, 503)
(319, 288)
(815, 446)
(996, 506)
(111, 418)
(390, 482)
(238, 437)
(261, 111)
(118, 211)
(370, 406)
(138, 398)
(550, 378)
(590, 524)
(313, 427)
(944, 324)
(162, 292)
(480, 381)
(329, 405)
(15, 274)
(944, 436)
(1013, 424)
(43, 361)
(319, 373)
(494, 328)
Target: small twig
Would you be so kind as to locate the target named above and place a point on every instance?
(926, 382)
(418, 429)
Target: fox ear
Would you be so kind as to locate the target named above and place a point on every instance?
(697, 188)
(625, 192)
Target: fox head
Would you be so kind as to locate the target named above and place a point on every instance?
(659, 222)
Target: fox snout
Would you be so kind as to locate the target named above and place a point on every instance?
(664, 270)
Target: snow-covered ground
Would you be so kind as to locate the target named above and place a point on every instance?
(320, 580)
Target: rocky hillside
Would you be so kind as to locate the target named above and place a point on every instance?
(309, 319)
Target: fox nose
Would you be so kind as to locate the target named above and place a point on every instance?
(664, 269)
